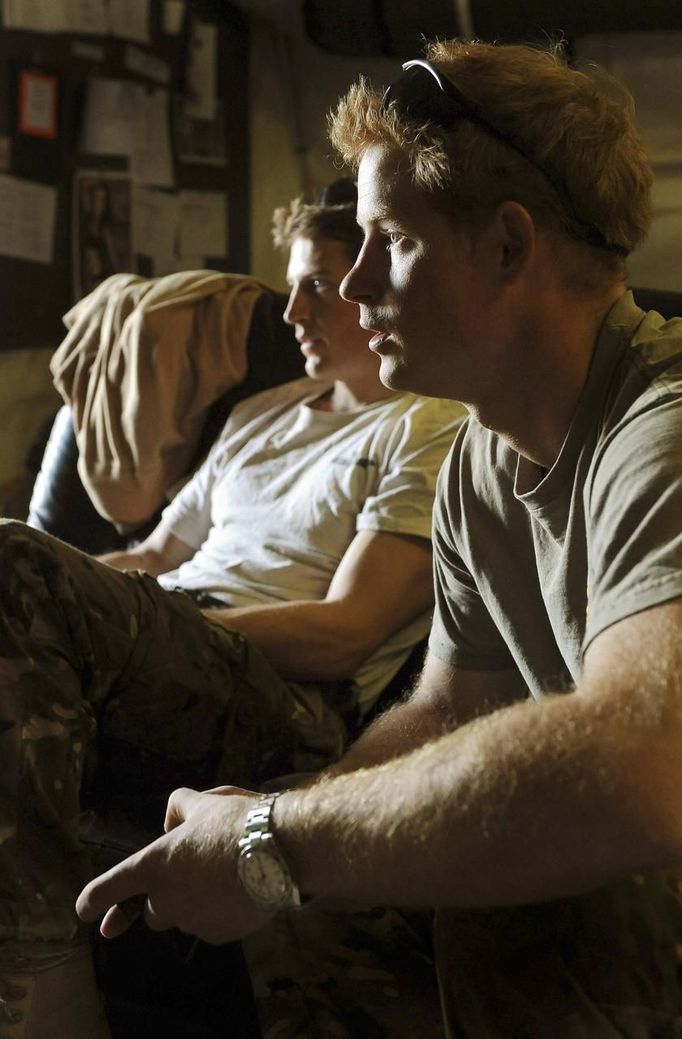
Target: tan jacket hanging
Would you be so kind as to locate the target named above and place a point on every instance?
(143, 360)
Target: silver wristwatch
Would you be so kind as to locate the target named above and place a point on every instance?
(262, 870)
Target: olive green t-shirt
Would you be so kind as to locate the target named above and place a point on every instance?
(530, 568)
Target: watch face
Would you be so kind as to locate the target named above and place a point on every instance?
(264, 877)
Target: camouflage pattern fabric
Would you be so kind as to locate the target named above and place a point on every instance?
(173, 699)
(602, 966)
(327, 974)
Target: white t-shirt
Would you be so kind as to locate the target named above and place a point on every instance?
(286, 487)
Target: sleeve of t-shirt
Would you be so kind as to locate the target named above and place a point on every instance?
(402, 502)
(463, 634)
(188, 516)
(633, 506)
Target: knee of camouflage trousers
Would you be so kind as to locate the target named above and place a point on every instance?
(174, 699)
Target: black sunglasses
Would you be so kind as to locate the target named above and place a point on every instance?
(434, 98)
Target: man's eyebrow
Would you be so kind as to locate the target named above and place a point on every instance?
(316, 272)
(384, 213)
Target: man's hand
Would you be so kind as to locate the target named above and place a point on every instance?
(188, 877)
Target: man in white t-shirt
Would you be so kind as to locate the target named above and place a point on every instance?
(294, 578)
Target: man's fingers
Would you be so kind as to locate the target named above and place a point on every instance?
(119, 884)
(153, 920)
(179, 806)
(183, 801)
(232, 791)
(117, 919)
(132, 908)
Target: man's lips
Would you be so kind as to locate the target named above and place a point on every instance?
(309, 343)
(377, 339)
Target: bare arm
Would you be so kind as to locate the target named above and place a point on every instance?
(382, 584)
(159, 552)
(444, 699)
(532, 802)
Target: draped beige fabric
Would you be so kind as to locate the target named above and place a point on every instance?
(143, 360)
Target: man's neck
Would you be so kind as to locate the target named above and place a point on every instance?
(342, 397)
(533, 410)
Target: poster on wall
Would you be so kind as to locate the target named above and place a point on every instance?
(102, 213)
(37, 104)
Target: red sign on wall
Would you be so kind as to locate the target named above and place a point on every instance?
(38, 104)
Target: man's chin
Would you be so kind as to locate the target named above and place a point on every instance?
(313, 368)
(393, 376)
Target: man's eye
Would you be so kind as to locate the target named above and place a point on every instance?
(393, 237)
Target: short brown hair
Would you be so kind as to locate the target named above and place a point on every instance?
(579, 124)
(335, 221)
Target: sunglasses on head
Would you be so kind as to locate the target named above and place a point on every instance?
(426, 95)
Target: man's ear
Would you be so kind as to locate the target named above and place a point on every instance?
(515, 235)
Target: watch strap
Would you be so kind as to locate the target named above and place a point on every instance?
(258, 832)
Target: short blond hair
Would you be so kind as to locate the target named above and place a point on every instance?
(579, 124)
(332, 221)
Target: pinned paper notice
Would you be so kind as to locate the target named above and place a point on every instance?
(155, 222)
(129, 119)
(91, 52)
(27, 219)
(108, 120)
(152, 160)
(38, 104)
(201, 71)
(173, 16)
(85, 16)
(203, 219)
(130, 19)
(147, 65)
(34, 15)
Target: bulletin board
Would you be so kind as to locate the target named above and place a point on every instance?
(123, 147)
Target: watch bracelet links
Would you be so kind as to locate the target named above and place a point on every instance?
(261, 817)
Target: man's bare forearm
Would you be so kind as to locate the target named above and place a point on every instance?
(400, 730)
(157, 554)
(534, 802)
(304, 641)
(443, 699)
(382, 584)
(148, 561)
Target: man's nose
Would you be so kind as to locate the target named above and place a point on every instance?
(295, 309)
(360, 284)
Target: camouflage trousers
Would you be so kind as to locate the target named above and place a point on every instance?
(323, 973)
(112, 688)
(605, 965)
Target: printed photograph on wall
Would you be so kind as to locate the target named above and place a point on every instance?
(199, 141)
(102, 209)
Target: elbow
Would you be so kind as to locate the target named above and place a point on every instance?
(651, 801)
(341, 667)
(344, 658)
(660, 829)
(155, 563)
